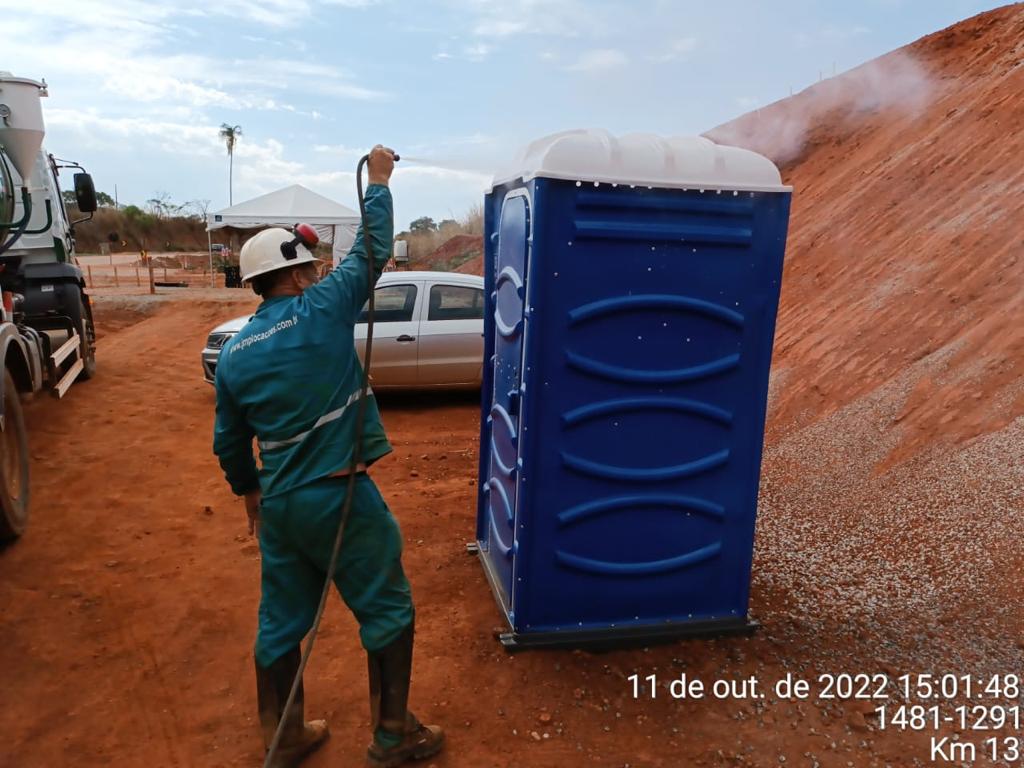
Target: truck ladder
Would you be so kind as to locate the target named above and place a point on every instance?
(70, 347)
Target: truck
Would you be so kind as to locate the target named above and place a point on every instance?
(47, 335)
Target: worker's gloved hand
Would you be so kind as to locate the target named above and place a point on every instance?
(252, 511)
(381, 164)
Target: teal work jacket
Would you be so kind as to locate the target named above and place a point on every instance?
(291, 377)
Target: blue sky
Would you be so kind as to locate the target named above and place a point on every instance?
(138, 89)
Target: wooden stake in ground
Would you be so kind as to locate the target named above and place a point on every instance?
(116, 283)
(149, 263)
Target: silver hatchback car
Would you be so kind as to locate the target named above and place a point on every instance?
(427, 333)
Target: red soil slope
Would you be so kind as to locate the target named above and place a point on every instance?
(904, 253)
(453, 254)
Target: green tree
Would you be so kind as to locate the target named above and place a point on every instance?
(423, 224)
(161, 206)
(139, 224)
(102, 198)
(230, 134)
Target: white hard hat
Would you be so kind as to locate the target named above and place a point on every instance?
(276, 248)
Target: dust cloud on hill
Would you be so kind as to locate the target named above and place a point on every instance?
(905, 249)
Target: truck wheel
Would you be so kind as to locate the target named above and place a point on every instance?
(81, 315)
(13, 465)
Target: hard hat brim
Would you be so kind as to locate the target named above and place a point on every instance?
(302, 259)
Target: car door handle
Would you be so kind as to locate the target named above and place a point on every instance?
(406, 337)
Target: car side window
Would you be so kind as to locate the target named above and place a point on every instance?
(391, 304)
(455, 302)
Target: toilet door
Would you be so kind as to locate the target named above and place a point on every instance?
(508, 301)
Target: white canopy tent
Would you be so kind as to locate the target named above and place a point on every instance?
(334, 222)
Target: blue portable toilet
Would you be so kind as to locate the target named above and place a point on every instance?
(632, 286)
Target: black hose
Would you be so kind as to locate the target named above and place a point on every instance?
(357, 458)
(26, 203)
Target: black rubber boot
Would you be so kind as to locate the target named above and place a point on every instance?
(299, 738)
(398, 736)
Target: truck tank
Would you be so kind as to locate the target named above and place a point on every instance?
(47, 339)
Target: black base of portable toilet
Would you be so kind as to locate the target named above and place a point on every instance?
(632, 286)
(610, 637)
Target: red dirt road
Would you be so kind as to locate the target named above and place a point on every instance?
(129, 605)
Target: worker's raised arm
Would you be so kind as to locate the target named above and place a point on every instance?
(232, 441)
(346, 285)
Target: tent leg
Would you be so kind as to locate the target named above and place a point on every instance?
(209, 247)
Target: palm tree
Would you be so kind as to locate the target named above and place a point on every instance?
(230, 134)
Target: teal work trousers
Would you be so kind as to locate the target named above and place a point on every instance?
(297, 531)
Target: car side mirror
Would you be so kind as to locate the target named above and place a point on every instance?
(85, 193)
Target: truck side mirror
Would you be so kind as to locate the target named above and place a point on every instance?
(85, 193)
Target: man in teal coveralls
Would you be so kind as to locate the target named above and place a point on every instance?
(291, 380)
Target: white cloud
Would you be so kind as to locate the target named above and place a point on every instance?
(270, 13)
(259, 161)
(132, 69)
(496, 27)
(677, 49)
(505, 18)
(137, 15)
(599, 60)
(478, 52)
(339, 151)
(132, 51)
(173, 136)
(143, 85)
(265, 165)
(118, 16)
(475, 52)
(291, 74)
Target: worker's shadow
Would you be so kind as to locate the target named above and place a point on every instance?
(401, 400)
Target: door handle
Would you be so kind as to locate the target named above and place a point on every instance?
(513, 402)
(406, 337)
